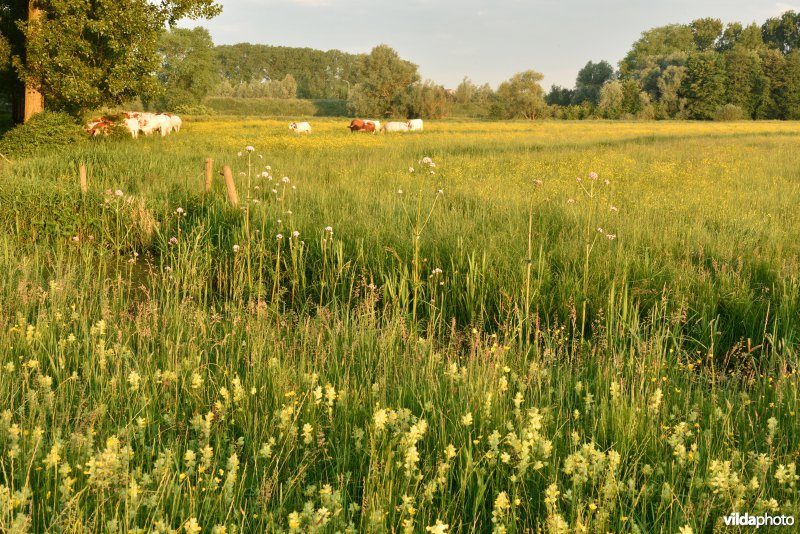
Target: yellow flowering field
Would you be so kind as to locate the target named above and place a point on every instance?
(555, 327)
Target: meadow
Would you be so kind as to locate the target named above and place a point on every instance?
(482, 327)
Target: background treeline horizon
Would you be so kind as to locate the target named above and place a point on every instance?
(703, 70)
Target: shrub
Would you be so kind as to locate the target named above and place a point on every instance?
(45, 131)
(195, 109)
(729, 112)
(269, 107)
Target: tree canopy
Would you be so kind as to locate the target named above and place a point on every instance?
(385, 81)
(188, 71)
(82, 54)
(521, 96)
(590, 80)
(319, 74)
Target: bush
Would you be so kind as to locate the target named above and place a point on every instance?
(259, 107)
(729, 112)
(45, 131)
(194, 109)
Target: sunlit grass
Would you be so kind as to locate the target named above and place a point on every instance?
(500, 340)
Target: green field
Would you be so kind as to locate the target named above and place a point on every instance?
(502, 340)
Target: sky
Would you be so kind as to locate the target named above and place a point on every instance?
(488, 41)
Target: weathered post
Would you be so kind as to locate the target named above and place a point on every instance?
(209, 165)
(231, 187)
(84, 182)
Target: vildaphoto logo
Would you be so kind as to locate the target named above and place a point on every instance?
(746, 520)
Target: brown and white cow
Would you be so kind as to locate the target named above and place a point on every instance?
(99, 126)
(357, 125)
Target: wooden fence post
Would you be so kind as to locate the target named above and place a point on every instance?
(232, 196)
(84, 183)
(209, 166)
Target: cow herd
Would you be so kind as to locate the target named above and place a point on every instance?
(165, 123)
(367, 126)
(135, 122)
(370, 126)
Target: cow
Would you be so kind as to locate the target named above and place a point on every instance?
(132, 125)
(150, 122)
(395, 127)
(356, 125)
(376, 124)
(300, 127)
(175, 122)
(99, 126)
(415, 125)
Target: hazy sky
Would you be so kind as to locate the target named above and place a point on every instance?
(485, 40)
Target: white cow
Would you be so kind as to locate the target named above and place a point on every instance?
(150, 122)
(132, 124)
(300, 127)
(415, 125)
(377, 125)
(396, 127)
(175, 122)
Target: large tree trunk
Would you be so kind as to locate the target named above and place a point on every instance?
(34, 101)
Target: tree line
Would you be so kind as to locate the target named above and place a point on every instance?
(82, 55)
(702, 70)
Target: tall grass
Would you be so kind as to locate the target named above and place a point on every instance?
(484, 342)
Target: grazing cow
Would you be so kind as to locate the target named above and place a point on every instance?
(415, 125)
(396, 127)
(132, 124)
(369, 127)
(176, 123)
(98, 126)
(150, 122)
(356, 125)
(167, 123)
(376, 124)
(300, 127)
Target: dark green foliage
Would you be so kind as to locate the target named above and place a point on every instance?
(704, 85)
(782, 33)
(589, 81)
(319, 74)
(87, 54)
(428, 100)
(559, 96)
(521, 97)
(774, 66)
(187, 71)
(745, 80)
(283, 88)
(631, 102)
(748, 38)
(385, 81)
(46, 131)
(730, 112)
(657, 42)
(693, 71)
(706, 32)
